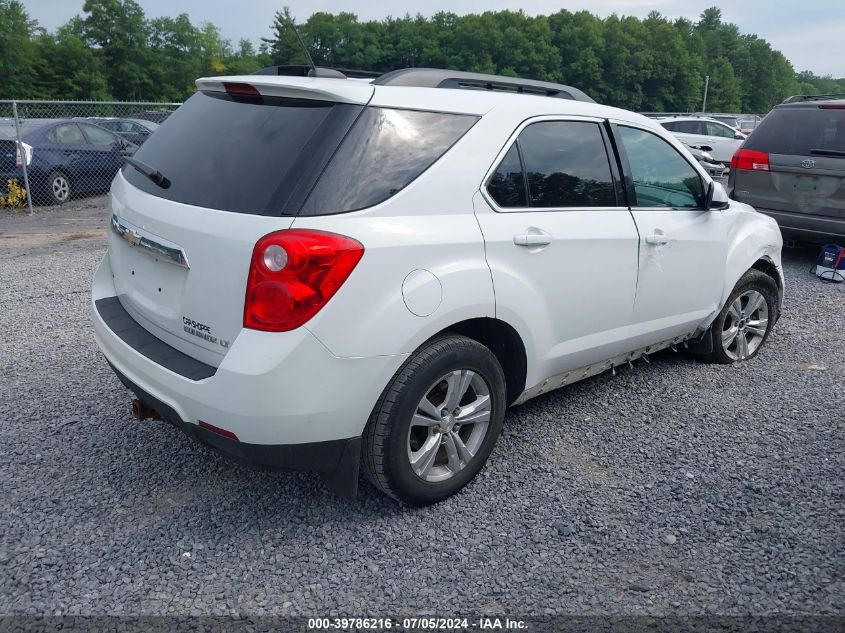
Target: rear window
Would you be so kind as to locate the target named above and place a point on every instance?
(803, 131)
(384, 152)
(243, 156)
(285, 157)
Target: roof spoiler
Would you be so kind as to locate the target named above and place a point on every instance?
(290, 87)
(307, 71)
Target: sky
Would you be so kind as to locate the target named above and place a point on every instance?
(810, 33)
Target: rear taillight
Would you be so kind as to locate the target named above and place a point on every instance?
(27, 153)
(834, 106)
(293, 274)
(750, 159)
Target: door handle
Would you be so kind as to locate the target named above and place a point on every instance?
(657, 238)
(535, 238)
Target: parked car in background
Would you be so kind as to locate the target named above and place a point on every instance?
(728, 119)
(793, 169)
(156, 116)
(748, 123)
(331, 274)
(64, 157)
(722, 138)
(701, 153)
(133, 130)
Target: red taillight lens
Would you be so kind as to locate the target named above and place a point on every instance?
(293, 274)
(832, 107)
(750, 159)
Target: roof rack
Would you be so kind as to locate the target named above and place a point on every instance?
(799, 98)
(438, 78)
(306, 71)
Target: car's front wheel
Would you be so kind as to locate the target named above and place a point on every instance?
(437, 422)
(746, 320)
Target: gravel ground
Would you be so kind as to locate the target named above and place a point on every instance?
(674, 488)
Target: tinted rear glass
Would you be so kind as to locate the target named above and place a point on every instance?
(246, 156)
(507, 186)
(383, 153)
(799, 131)
(567, 165)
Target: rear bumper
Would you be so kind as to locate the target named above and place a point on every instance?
(807, 227)
(336, 460)
(290, 402)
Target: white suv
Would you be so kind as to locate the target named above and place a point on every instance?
(326, 274)
(722, 139)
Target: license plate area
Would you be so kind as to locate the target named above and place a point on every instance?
(150, 283)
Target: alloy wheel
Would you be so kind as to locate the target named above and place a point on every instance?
(61, 188)
(449, 425)
(745, 325)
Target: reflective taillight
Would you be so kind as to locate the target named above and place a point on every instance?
(293, 274)
(750, 160)
(216, 429)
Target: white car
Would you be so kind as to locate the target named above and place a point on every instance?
(722, 139)
(327, 274)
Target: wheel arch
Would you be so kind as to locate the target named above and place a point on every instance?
(767, 266)
(506, 344)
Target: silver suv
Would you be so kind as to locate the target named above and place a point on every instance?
(793, 169)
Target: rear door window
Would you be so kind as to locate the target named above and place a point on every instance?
(243, 155)
(566, 165)
(801, 131)
(385, 151)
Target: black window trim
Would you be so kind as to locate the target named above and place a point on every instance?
(513, 139)
(614, 126)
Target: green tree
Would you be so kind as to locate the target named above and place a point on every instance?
(118, 28)
(66, 68)
(17, 49)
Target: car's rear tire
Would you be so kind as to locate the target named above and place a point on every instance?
(58, 188)
(746, 319)
(437, 421)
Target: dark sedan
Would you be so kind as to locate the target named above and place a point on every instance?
(133, 130)
(64, 157)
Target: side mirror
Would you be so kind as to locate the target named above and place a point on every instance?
(739, 136)
(717, 197)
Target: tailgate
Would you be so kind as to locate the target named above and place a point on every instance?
(181, 270)
(796, 184)
(220, 173)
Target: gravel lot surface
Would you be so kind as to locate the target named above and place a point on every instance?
(674, 488)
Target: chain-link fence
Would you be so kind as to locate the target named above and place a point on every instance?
(54, 151)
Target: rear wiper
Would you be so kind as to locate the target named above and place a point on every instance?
(827, 152)
(150, 172)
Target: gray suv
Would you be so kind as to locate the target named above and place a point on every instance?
(793, 168)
